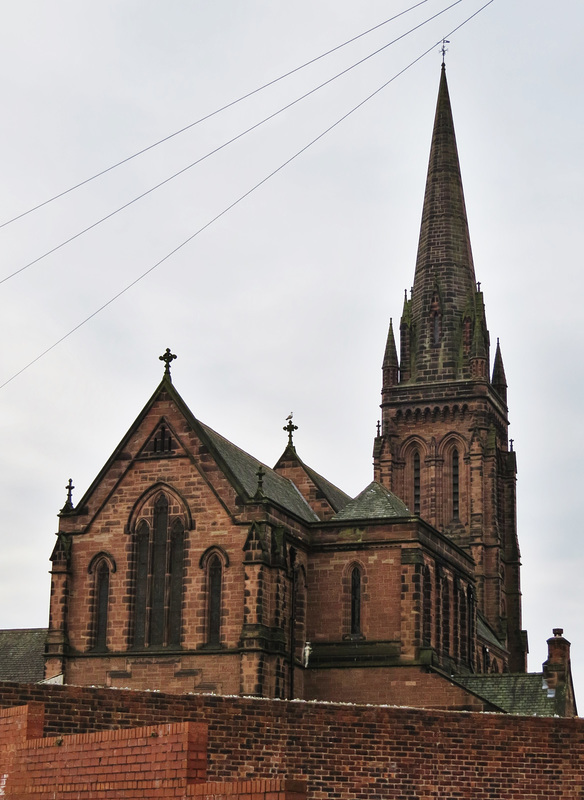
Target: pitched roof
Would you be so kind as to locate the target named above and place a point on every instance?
(486, 633)
(335, 496)
(244, 468)
(524, 694)
(374, 502)
(22, 654)
(240, 467)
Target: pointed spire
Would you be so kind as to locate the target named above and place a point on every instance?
(499, 380)
(444, 266)
(390, 362)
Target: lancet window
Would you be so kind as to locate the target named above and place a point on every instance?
(416, 481)
(159, 566)
(101, 567)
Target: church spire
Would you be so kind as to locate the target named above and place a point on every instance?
(444, 281)
(499, 380)
(390, 362)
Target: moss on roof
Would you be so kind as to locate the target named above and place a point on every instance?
(374, 502)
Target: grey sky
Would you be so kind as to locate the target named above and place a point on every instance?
(284, 303)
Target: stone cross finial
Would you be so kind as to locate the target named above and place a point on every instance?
(69, 501)
(378, 428)
(167, 358)
(259, 494)
(511, 444)
(290, 428)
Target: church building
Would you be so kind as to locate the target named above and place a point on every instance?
(190, 566)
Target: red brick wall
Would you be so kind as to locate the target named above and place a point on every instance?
(345, 752)
(151, 762)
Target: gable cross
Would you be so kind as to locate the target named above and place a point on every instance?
(168, 357)
(290, 428)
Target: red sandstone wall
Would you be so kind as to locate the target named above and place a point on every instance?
(345, 752)
(402, 686)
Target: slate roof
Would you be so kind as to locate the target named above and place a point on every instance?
(374, 502)
(486, 633)
(524, 694)
(22, 654)
(244, 468)
(335, 496)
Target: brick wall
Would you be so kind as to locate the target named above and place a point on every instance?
(151, 762)
(343, 751)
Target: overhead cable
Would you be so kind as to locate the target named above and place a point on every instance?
(208, 116)
(241, 197)
(222, 146)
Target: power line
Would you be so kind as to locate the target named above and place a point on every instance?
(208, 116)
(221, 147)
(242, 197)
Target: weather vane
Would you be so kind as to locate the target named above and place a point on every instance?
(444, 49)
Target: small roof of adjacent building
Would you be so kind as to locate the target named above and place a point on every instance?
(22, 654)
(524, 694)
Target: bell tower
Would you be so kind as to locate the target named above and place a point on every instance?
(443, 441)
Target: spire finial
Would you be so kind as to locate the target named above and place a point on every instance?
(167, 358)
(69, 501)
(444, 50)
(260, 476)
(290, 428)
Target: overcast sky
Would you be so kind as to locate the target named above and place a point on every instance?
(284, 302)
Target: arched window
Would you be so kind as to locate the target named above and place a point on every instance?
(177, 550)
(436, 328)
(102, 581)
(159, 567)
(470, 605)
(455, 485)
(445, 617)
(463, 628)
(101, 566)
(438, 610)
(214, 584)
(455, 621)
(355, 601)
(416, 481)
(427, 609)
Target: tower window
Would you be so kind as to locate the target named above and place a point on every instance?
(416, 468)
(436, 328)
(455, 484)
